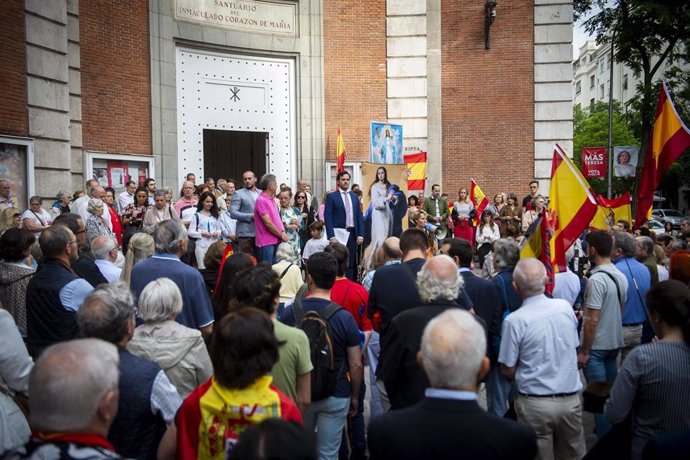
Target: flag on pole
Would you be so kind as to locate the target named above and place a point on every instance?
(611, 211)
(416, 167)
(670, 138)
(572, 206)
(340, 153)
(537, 244)
(479, 201)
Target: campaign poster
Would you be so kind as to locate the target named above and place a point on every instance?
(624, 161)
(13, 169)
(384, 198)
(594, 162)
(386, 143)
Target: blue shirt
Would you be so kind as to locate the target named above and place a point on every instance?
(72, 294)
(344, 333)
(639, 282)
(197, 311)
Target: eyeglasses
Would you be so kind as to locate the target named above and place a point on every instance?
(16, 215)
(72, 242)
(79, 231)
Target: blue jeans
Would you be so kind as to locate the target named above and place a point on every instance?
(328, 416)
(601, 366)
(267, 253)
(497, 391)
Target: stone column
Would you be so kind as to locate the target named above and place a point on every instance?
(49, 55)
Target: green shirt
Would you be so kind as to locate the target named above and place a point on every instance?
(293, 359)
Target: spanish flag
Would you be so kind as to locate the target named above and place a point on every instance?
(670, 138)
(479, 201)
(340, 151)
(611, 211)
(416, 167)
(572, 206)
(537, 244)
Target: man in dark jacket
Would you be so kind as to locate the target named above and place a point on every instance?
(148, 401)
(448, 423)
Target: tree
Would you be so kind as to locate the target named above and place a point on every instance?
(644, 33)
(591, 129)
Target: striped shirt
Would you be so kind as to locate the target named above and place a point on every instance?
(653, 382)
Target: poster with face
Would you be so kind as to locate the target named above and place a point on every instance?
(13, 174)
(624, 161)
(386, 145)
(384, 198)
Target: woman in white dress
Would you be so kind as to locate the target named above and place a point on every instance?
(380, 212)
(36, 219)
(204, 226)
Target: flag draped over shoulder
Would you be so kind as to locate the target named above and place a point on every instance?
(479, 201)
(416, 166)
(670, 138)
(537, 244)
(572, 206)
(611, 211)
(340, 153)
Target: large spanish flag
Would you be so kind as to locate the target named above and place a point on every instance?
(670, 138)
(572, 206)
(340, 151)
(479, 201)
(416, 167)
(537, 244)
(611, 211)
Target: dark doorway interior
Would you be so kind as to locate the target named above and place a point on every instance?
(228, 154)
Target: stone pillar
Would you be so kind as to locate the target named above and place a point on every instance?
(48, 93)
(553, 84)
(409, 70)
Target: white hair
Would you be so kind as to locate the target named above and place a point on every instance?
(68, 381)
(530, 276)
(453, 346)
(168, 236)
(439, 279)
(93, 204)
(160, 300)
(285, 252)
(101, 247)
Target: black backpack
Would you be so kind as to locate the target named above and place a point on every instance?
(324, 375)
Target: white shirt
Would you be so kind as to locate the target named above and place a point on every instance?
(487, 235)
(124, 200)
(566, 286)
(228, 226)
(40, 218)
(540, 338)
(109, 270)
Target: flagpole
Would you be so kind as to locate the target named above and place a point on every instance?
(610, 121)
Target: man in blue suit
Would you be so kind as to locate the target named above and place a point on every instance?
(344, 212)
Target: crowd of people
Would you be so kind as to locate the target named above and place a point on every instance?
(240, 324)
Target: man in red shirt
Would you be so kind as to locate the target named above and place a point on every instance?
(354, 298)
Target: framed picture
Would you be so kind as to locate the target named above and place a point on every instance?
(386, 143)
(17, 166)
(115, 171)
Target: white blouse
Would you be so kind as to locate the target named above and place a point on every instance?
(487, 235)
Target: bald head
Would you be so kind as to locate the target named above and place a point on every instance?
(529, 277)
(72, 387)
(104, 248)
(453, 351)
(439, 279)
(391, 248)
(97, 192)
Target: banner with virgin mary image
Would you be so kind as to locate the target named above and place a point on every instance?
(386, 143)
(384, 198)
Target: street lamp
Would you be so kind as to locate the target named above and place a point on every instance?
(489, 17)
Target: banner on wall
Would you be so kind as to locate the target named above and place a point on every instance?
(594, 162)
(386, 143)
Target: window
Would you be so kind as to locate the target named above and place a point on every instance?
(625, 82)
(116, 170)
(578, 87)
(591, 82)
(601, 91)
(591, 104)
(601, 65)
(17, 166)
